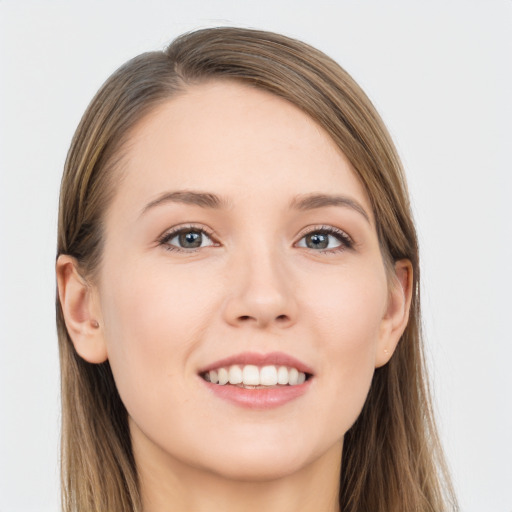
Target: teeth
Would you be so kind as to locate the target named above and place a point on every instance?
(251, 375)
(223, 376)
(293, 377)
(282, 375)
(235, 375)
(268, 376)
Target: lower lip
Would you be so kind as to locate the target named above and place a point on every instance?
(258, 398)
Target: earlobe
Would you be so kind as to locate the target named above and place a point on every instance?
(397, 313)
(80, 310)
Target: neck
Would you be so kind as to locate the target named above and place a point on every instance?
(169, 484)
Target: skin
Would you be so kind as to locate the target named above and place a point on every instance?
(159, 315)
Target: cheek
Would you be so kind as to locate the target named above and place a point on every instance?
(152, 323)
(347, 319)
(348, 310)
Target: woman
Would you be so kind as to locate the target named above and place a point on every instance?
(238, 291)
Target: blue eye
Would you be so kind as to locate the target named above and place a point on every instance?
(186, 238)
(326, 239)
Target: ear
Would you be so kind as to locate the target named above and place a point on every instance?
(396, 316)
(81, 311)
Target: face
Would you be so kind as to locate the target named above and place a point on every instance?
(239, 238)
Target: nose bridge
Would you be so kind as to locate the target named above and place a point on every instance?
(259, 286)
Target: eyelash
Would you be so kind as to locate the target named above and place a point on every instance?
(345, 240)
(169, 235)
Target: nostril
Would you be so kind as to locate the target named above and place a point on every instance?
(263, 320)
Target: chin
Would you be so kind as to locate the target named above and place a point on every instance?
(259, 457)
(259, 469)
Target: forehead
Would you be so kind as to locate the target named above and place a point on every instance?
(236, 141)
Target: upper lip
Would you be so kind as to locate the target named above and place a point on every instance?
(272, 358)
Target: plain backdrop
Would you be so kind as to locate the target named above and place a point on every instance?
(440, 74)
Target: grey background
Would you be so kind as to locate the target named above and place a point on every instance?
(440, 74)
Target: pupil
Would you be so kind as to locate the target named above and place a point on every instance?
(190, 239)
(317, 241)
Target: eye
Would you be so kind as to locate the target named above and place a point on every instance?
(184, 239)
(326, 239)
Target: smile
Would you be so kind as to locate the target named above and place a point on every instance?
(250, 376)
(258, 381)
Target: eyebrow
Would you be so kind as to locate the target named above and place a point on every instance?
(209, 200)
(202, 199)
(313, 201)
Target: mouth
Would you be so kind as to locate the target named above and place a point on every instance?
(250, 376)
(258, 381)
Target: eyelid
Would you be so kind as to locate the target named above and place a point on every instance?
(346, 240)
(174, 231)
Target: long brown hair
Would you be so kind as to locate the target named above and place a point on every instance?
(392, 460)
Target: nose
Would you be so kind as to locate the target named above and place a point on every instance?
(260, 292)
